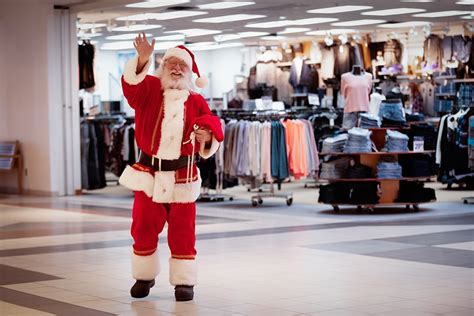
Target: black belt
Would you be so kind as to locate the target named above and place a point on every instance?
(166, 165)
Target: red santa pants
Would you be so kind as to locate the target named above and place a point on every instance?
(149, 218)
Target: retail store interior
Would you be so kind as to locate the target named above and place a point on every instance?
(344, 184)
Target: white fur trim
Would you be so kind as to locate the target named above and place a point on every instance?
(173, 124)
(164, 186)
(130, 72)
(187, 192)
(206, 153)
(145, 268)
(201, 82)
(183, 272)
(179, 53)
(137, 180)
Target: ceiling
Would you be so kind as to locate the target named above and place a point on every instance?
(286, 14)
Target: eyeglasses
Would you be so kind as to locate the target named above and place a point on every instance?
(174, 63)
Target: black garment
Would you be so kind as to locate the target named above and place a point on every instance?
(314, 85)
(306, 77)
(414, 192)
(417, 165)
(207, 168)
(86, 65)
(349, 193)
(375, 47)
(359, 171)
(427, 131)
(342, 63)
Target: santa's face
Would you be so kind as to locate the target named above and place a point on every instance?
(176, 74)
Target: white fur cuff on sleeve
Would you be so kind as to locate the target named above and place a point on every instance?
(206, 153)
(130, 73)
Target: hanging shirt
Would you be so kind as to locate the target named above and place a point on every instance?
(356, 89)
(327, 64)
(375, 100)
(462, 48)
(427, 93)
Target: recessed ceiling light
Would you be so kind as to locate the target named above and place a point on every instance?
(195, 32)
(359, 22)
(468, 17)
(156, 4)
(198, 47)
(291, 30)
(331, 31)
(160, 16)
(224, 5)
(440, 14)
(87, 26)
(123, 37)
(312, 21)
(340, 9)
(273, 38)
(404, 24)
(117, 45)
(230, 18)
(393, 11)
(136, 27)
(466, 2)
(166, 45)
(269, 24)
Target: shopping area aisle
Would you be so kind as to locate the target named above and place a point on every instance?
(71, 256)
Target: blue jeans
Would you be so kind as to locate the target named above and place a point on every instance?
(392, 111)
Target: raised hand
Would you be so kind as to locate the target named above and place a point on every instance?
(144, 50)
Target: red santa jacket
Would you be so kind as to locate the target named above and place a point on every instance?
(163, 120)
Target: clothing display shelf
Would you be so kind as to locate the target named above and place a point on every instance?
(388, 187)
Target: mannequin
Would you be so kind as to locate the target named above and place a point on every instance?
(355, 88)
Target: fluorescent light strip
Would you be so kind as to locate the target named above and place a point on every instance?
(156, 4)
(197, 47)
(166, 45)
(468, 17)
(340, 9)
(160, 16)
(87, 26)
(394, 11)
(292, 30)
(312, 21)
(403, 24)
(117, 45)
(230, 18)
(271, 24)
(359, 22)
(226, 37)
(224, 5)
(195, 32)
(331, 31)
(176, 37)
(273, 38)
(123, 37)
(136, 27)
(90, 35)
(252, 34)
(441, 14)
(466, 2)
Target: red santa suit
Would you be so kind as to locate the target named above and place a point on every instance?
(164, 129)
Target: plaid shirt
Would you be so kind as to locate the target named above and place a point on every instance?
(466, 95)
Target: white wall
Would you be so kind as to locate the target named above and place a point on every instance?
(24, 89)
(105, 69)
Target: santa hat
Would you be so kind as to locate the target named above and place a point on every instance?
(187, 56)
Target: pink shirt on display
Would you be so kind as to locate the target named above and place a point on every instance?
(356, 90)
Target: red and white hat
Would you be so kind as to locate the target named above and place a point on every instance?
(187, 56)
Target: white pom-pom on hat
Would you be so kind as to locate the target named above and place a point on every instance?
(180, 52)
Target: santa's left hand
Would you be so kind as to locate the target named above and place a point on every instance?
(203, 135)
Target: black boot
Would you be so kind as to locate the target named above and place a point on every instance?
(141, 288)
(183, 292)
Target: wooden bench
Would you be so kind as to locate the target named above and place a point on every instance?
(11, 160)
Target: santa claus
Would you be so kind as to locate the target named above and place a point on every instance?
(172, 125)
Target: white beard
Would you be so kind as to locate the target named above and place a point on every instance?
(167, 81)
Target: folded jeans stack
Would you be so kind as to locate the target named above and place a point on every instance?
(335, 169)
(334, 144)
(359, 141)
(414, 192)
(391, 112)
(417, 165)
(396, 141)
(368, 121)
(359, 171)
(388, 168)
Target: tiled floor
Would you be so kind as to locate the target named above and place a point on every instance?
(71, 256)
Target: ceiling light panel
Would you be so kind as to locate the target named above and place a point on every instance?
(156, 4)
(176, 37)
(90, 35)
(273, 38)
(136, 28)
(252, 34)
(270, 24)
(441, 14)
(226, 37)
(160, 16)
(466, 2)
(123, 37)
(166, 45)
(230, 18)
(224, 5)
(468, 17)
(404, 24)
(332, 32)
(87, 26)
(212, 46)
(394, 11)
(341, 9)
(312, 21)
(195, 32)
(292, 30)
(117, 45)
(359, 22)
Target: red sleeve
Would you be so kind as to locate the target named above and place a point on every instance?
(137, 95)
